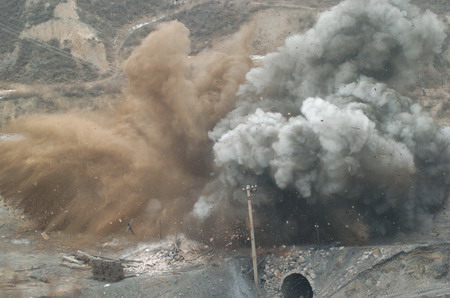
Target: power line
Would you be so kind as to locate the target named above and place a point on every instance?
(42, 44)
(35, 41)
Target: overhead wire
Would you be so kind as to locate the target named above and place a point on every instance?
(53, 49)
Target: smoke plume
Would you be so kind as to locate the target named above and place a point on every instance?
(322, 128)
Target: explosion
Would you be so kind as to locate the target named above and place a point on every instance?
(143, 159)
(322, 128)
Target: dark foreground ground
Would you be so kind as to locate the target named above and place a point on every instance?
(418, 266)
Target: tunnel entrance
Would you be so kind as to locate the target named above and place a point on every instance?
(296, 286)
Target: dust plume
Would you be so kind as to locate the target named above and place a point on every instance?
(142, 159)
(322, 127)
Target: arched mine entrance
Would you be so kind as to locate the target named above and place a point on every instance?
(296, 286)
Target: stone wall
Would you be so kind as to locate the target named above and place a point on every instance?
(347, 271)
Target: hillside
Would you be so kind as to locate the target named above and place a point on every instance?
(73, 50)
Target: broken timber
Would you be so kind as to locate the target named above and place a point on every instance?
(103, 269)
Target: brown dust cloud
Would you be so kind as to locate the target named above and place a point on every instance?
(144, 159)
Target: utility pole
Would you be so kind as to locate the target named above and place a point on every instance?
(249, 189)
(317, 232)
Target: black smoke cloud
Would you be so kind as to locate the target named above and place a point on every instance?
(325, 131)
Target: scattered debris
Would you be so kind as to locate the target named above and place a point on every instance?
(21, 241)
(167, 256)
(129, 228)
(41, 279)
(10, 136)
(72, 260)
(45, 236)
(31, 269)
(104, 269)
(75, 262)
(74, 266)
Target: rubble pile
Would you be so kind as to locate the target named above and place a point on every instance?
(110, 271)
(167, 256)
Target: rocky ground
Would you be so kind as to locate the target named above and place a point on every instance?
(33, 266)
(416, 265)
